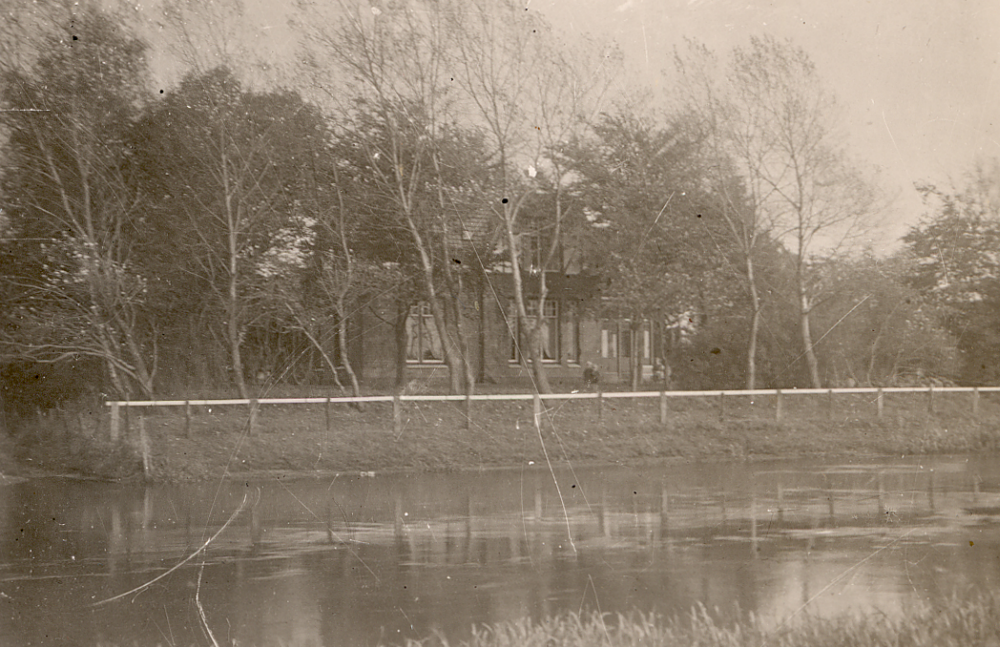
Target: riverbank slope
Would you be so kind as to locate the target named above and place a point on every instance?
(164, 445)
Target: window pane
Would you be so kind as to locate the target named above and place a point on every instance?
(568, 335)
(422, 341)
(547, 335)
(413, 335)
(549, 331)
(524, 339)
(430, 341)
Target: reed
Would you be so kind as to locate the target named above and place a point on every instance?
(968, 623)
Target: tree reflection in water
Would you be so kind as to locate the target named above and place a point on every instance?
(353, 560)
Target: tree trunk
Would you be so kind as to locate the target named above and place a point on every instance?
(807, 343)
(234, 337)
(481, 332)
(144, 375)
(453, 282)
(754, 325)
(234, 333)
(314, 340)
(437, 311)
(537, 356)
(402, 312)
(469, 376)
(440, 311)
(107, 342)
(342, 346)
(534, 363)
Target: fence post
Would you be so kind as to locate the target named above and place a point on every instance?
(326, 411)
(468, 410)
(397, 415)
(722, 405)
(777, 405)
(975, 401)
(600, 405)
(187, 418)
(663, 407)
(879, 405)
(930, 399)
(115, 422)
(536, 409)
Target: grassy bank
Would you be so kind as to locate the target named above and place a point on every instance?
(974, 623)
(433, 436)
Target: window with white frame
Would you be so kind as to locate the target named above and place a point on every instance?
(423, 344)
(548, 332)
(569, 332)
(609, 339)
(617, 339)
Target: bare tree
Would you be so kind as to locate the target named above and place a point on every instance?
(530, 95)
(67, 110)
(314, 279)
(730, 126)
(393, 61)
(772, 119)
(207, 34)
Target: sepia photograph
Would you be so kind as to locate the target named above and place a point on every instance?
(499, 323)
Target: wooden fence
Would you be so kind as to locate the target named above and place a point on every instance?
(778, 396)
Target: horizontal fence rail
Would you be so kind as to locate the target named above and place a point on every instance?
(720, 396)
(581, 395)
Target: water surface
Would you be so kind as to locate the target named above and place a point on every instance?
(359, 559)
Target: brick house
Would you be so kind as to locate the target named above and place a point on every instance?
(387, 334)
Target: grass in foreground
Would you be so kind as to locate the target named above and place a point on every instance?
(959, 623)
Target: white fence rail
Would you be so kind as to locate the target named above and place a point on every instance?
(397, 400)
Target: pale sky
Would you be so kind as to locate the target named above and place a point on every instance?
(918, 78)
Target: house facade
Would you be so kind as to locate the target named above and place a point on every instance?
(388, 337)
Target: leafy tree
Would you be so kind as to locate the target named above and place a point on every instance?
(221, 170)
(641, 199)
(77, 288)
(880, 330)
(958, 267)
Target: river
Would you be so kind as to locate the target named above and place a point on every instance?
(359, 559)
